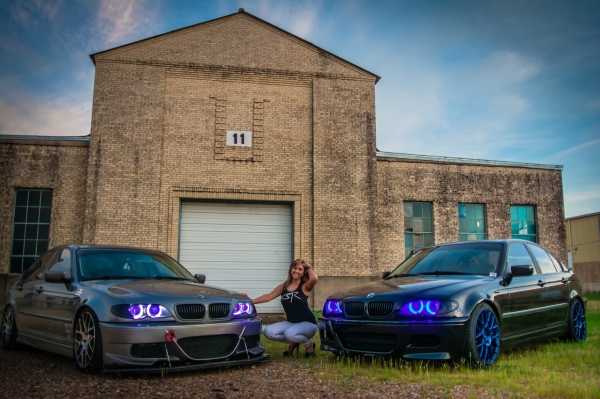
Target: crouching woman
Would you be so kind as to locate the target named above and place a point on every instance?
(301, 325)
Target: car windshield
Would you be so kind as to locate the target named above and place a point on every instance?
(97, 264)
(460, 259)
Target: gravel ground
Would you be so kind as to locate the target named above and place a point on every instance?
(30, 373)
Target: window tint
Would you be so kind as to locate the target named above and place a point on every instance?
(37, 268)
(543, 259)
(62, 262)
(481, 259)
(559, 266)
(34, 271)
(518, 255)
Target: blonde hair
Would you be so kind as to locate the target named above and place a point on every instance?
(304, 277)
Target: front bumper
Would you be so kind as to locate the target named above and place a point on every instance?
(176, 346)
(440, 339)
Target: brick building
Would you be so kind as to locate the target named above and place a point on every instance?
(235, 147)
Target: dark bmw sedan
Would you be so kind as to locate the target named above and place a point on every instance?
(459, 300)
(129, 309)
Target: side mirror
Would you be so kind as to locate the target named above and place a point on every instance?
(200, 277)
(56, 277)
(385, 274)
(521, 270)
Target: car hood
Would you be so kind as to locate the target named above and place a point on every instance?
(438, 287)
(149, 290)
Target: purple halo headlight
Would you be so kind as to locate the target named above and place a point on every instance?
(137, 312)
(333, 307)
(243, 309)
(427, 307)
(140, 311)
(155, 311)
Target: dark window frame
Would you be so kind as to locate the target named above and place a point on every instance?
(30, 236)
(520, 228)
(425, 219)
(467, 219)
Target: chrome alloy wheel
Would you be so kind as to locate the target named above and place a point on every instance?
(8, 327)
(487, 337)
(579, 323)
(85, 339)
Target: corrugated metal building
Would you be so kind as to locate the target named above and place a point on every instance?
(583, 249)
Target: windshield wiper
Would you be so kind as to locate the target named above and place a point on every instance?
(170, 278)
(444, 273)
(402, 275)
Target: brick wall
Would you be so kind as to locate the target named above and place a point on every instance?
(161, 110)
(52, 165)
(446, 185)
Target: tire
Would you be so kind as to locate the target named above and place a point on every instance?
(8, 334)
(482, 345)
(87, 342)
(577, 326)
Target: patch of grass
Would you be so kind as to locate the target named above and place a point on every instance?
(593, 297)
(548, 369)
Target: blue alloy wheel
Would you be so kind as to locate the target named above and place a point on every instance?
(487, 337)
(578, 320)
(482, 346)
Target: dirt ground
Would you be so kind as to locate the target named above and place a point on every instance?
(30, 373)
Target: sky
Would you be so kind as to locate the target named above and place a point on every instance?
(506, 80)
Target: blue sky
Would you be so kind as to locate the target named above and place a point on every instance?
(501, 80)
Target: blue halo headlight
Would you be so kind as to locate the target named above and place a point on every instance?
(333, 307)
(140, 311)
(243, 309)
(427, 307)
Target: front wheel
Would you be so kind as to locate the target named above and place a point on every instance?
(87, 343)
(482, 346)
(8, 335)
(577, 330)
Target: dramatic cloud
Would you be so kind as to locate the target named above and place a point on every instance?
(35, 13)
(295, 17)
(119, 21)
(59, 118)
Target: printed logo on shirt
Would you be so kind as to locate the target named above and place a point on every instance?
(291, 296)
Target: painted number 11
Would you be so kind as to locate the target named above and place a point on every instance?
(235, 138)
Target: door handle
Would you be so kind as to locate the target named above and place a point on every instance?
(19, 287)
(565, 280)
(541, 283)
(39, 289)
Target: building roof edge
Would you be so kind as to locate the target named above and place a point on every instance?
(465, 161)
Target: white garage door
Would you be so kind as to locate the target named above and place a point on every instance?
(239, 246)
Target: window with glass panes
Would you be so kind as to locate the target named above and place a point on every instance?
(31, 227)
(471, 222)
(522, 222)
(418, 226)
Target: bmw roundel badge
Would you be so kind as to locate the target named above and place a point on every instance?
(371, 295)
(201, 297)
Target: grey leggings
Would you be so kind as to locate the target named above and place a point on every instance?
(285, 331)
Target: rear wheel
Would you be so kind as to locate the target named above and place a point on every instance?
(577, 330)
(482, 346)
(8, 335)
(87, 344)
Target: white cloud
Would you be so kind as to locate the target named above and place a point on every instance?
(576, 148)
(582, 201)
(29, 115)
(467, 109)
(33, 13)
(296, 17)
(119, 21)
